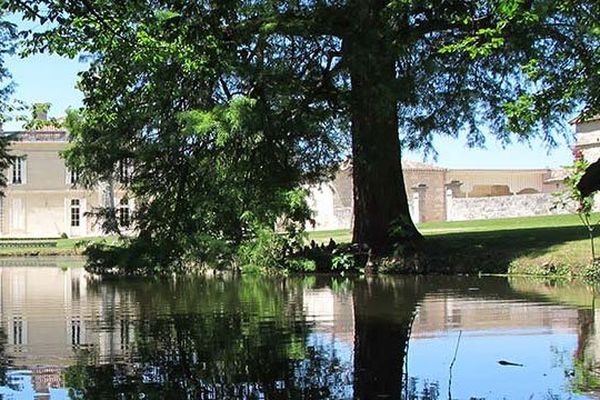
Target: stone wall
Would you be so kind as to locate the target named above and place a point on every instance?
(588, 139)
(429, 185)
(524, 205)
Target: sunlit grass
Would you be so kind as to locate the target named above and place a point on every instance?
(70, 246)
(523, 244)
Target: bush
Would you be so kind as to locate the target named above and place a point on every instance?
(264, 251)
(592, 272)
(342, 262)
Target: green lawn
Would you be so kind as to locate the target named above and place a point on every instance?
(540, 245)
(63, 247)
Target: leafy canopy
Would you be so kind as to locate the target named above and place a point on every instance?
(225, 108)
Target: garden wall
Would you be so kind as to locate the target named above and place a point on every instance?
(523, 205)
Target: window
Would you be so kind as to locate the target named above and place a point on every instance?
(19, 332)
(123, 212)
(75, 332)
(72, 176)
(18, 171)
(124, 170)
(75, 212)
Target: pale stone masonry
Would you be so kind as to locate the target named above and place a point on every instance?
(42, 198)
(439, 194)
(525, 205)
(587, 135)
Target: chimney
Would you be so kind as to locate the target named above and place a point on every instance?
(41, 115)
(40, 111)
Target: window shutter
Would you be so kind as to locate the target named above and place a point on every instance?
(11, 171)
(23, 171)
(83, 217)
(67, 223)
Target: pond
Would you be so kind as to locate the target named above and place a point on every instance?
(66, 334)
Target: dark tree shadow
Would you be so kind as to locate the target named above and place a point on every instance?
(493, 251)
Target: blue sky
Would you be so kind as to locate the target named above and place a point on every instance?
(44, 78)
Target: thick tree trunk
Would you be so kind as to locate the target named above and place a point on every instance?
(381, 209)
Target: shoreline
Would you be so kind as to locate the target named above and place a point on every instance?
(547, 246)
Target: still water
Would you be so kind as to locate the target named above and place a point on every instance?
(66, 335)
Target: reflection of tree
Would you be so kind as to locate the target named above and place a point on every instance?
(585, 375)
(4, 362)
(429, 390)
(211, 338)
(383, 312)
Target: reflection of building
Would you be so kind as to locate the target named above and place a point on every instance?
(438, 314)
(49, 316)
(333, 313)
(53, 317)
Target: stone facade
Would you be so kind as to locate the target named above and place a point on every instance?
(587, 135)
(425, 184)
(439, 194)
(525, 205)
(332, 201)
(498, 182)
(42, 198)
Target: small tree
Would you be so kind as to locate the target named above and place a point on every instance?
(584, 203)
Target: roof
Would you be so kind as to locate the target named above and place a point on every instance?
(406, 165)
(46, 135)
(415, 165)
(579, 119)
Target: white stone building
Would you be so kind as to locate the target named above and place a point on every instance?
(587, 135)
(42, 199)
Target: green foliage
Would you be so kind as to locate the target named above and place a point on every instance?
(584, 377)
(228, 337)
(591, 273)
(343, 262)
(549, 269)
(266, 251)
(301, 265)
(269, 250)
(7, 46)
(227, 107)
(576, 172)
(584, 204)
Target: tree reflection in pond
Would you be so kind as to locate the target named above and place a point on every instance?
(296, 338)
(205, 339)
(383, 318)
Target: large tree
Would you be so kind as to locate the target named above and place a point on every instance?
(164, 75)
(7, 42)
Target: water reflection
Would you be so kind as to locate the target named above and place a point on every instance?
(67, 335)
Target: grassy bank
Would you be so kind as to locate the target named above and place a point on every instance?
(46, 247)
(547, 245)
